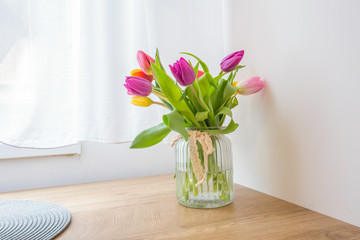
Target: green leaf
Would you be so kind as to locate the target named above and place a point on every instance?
(175, 121)
(225, 95)
(238, 67)
(217, 96)
(193, 100)
(215, 99)
(203, 65)
(157, 59)
(173, 93)
(210, 80)
(230, 78)
(196, 69)
(229, 129)
(197, 88)
(225, 111)
(191, 64)
(151, 136)
(201, 116)
(220, 116)
(183, 95)
(157, 88)
(234, 103)
(217, 78)
(204, 86)
(167, 105)
(229, 91)
(210, 106)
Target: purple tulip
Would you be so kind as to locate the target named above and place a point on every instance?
(183, 72)
(138, 86)
(231, 61)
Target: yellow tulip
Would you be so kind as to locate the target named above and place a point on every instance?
(141, 101)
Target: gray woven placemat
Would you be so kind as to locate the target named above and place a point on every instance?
(26, 219)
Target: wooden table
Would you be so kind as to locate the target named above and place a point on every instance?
(146, 208)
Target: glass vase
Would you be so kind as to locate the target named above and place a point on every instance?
(217, 188)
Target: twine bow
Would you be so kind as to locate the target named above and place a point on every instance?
(206, 143)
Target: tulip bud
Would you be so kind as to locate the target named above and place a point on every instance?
(141, 101)
(138, 86)
(231, 61)
(140, 73)
(183, 72)
(144, 61)
(250, 86)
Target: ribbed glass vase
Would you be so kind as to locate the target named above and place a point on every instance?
(217, 189)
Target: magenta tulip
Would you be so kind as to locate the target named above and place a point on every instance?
(145, 61)
(138, 86)
(183, 72)
(231, 61)
(250, 86)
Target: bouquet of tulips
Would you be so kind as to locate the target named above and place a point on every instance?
(194, 99)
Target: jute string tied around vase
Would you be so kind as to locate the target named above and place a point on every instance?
(206, 143)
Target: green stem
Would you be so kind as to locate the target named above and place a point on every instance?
(159, 103)
(160, 95)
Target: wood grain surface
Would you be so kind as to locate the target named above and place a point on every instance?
(146, 208)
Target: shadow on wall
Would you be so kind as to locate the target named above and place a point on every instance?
(265, 148)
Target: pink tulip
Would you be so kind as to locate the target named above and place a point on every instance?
(144, 61)
(250, 86)
(138, 86)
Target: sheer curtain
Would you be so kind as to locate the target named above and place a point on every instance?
(63, 64)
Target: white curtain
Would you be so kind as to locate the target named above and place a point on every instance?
(63, 64)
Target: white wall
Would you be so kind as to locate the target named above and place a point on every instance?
(299, 140)
(98, 162)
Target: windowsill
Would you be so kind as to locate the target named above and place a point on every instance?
(9, 152)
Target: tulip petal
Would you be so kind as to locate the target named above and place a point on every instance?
(176, 73)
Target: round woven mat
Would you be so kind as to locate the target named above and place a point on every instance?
(25, 219)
